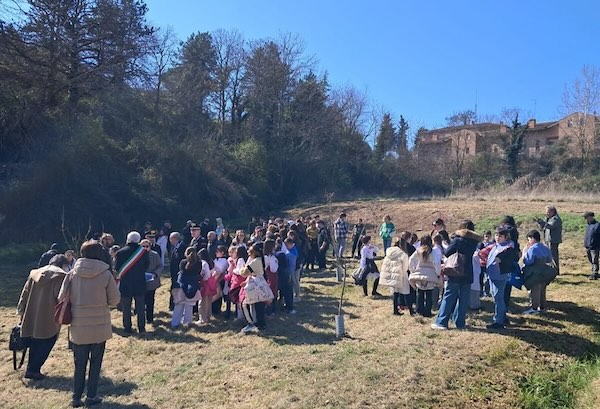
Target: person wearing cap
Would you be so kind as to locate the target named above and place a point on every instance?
(552, 230)
(197, 241)
(47, 256)
(592, 242)
(151, 236)
(131, 264)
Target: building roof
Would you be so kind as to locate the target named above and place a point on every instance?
(481, 126)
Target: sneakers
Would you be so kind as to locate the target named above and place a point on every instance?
(494, 326)
(93, 401)
(249, 328)
(594, 277)
(438, 327)
(376, 294)
(292, 312)
(531, 311)
(76, 403)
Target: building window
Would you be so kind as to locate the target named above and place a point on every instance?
(537, 145)
(467, 151)
(570, 123)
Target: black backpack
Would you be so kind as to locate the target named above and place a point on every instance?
(17, 343)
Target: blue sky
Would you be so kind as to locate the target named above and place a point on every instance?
(421, 59)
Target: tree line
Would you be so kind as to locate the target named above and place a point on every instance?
(108, 121)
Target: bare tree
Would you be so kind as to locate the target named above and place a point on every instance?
(230, 49)
(163, 53)
(581, 100)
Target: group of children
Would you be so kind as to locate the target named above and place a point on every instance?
(417, 270)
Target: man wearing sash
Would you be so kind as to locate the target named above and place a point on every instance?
(131, 263)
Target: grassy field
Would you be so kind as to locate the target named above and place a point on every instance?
(385, 361)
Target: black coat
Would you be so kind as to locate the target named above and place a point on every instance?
(46, 257)
(177, 254)
(592, 236)
(134, 282)
(323, 239)
(465, 242)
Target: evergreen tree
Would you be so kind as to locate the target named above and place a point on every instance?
(513, 146)
(402, 139)
(385, 139)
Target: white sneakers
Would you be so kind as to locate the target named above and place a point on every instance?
(438, 327)
(531, 311)
(249, 328)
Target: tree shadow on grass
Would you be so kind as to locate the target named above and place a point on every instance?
(115, 405)
(165, 334)
(106, 386)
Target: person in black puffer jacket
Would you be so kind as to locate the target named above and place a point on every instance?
(592, 242)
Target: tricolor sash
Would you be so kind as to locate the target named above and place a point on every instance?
(135, 257)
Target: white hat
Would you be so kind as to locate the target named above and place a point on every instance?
(133, 237)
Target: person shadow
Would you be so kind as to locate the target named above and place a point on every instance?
(65, 384)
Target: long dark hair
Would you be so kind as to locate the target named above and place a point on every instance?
(268, 247)
(203, 254)
(191, 257)
(425, 247)
(242, 253)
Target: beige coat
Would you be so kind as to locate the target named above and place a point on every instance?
(37, 302)
(92, 290)
(394, 270)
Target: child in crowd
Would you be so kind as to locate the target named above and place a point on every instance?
(219, 272)
(438, 251)
(368, 267)
(484, 249)
(425, 269)
(271, 273)
(186, 290)
(208, 287)
(394, 273)
(500, 263)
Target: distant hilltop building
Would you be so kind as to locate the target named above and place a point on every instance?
(574, 130)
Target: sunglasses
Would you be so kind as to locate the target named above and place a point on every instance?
(146, 246)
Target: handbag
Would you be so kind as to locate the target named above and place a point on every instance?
(18, 343)
(257, 290)
(62, 310)
(454, 266)
(152, 282)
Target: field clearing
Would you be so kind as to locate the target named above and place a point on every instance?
(386, 361)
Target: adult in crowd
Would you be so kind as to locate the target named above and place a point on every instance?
(535, 271)
(47, 256)
(552, 228)
(341, 233)
(186, 233)
(131, 263)
(455, 301)
(439, 226)
(151, 237)
(36, 309)
(197, 241)
(225, 238)
(155, 268)
(358, 231)
(323, 243)
(592, 242)
(212, 244)
(91, 289)
(312, 232)
(177, 254)
(220, 227)
(107, 240)
(509, 223)
(386, 231)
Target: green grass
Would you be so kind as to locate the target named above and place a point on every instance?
(558, 389)
(22, 253)
(572, 222)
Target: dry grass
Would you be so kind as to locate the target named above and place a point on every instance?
(386, 362)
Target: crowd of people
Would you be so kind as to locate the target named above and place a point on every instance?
(256, 273)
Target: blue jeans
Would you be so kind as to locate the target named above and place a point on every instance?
(386, 243)
(455, 293)
(497, 287)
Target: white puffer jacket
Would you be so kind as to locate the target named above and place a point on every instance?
(394, 270)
